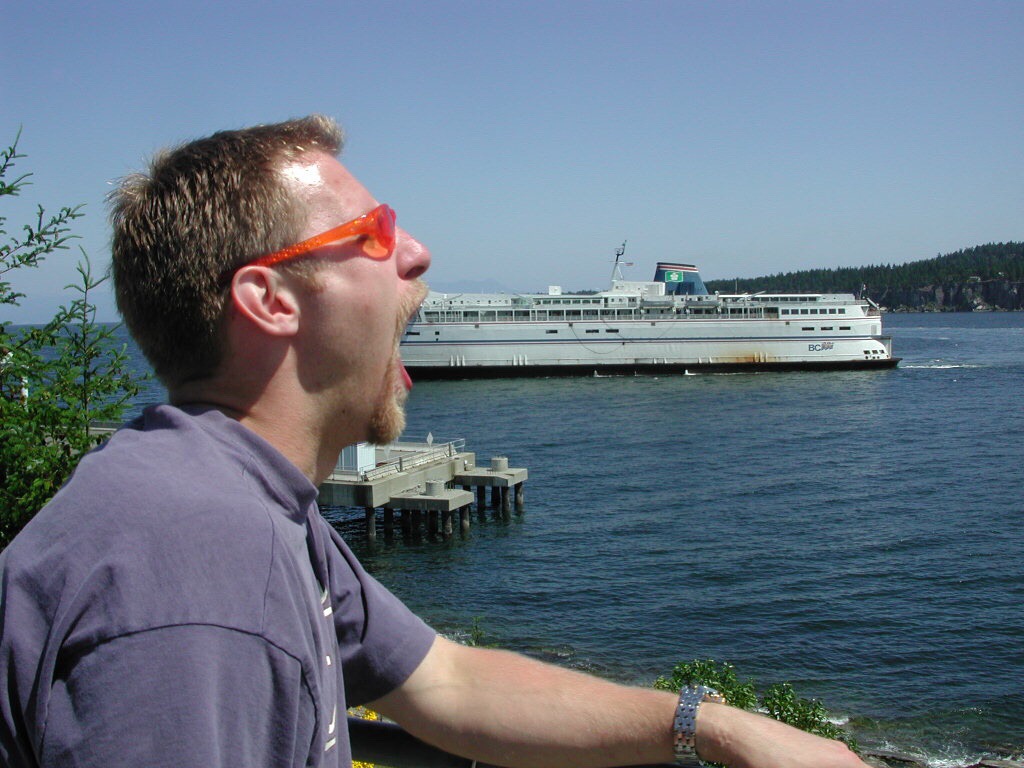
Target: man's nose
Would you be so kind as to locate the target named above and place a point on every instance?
(413, 257)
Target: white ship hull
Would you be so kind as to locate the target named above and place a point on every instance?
(637, 328)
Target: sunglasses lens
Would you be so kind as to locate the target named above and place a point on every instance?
(385, 234)
(381, 243)
(386, 224)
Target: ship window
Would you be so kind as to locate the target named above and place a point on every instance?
(412, 333)
(807, 328)
(826, 327)
(805, 311)
(593, 330)
(842, 311)
(551, 330)
(611, 330)
(832, 311)
(844, 327)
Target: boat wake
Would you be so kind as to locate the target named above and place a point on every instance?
(942, 366)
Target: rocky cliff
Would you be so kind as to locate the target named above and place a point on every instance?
(972, 296)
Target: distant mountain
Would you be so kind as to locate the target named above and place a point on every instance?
(981, 278)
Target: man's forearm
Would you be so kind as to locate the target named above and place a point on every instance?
(504, 709)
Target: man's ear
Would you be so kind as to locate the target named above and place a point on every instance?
(265, 299)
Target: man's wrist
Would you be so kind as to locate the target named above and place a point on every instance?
(688, 710)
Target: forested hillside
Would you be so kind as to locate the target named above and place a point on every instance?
(984, 277)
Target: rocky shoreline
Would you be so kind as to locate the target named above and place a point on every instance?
(881, 759)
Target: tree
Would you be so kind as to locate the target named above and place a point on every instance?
(55, 379)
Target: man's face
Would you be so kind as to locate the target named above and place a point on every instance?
(356, 309)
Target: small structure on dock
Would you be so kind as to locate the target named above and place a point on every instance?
(435, 478)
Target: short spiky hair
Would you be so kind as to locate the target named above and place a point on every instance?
(203, 208)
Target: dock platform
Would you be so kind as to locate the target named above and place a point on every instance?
(431, 478)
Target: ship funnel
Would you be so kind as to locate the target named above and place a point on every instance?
(680, 279)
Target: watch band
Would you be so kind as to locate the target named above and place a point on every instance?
(685, 725)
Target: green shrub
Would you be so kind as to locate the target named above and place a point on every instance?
(720, 676)
(778, 701)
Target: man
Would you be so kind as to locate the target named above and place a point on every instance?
(181, 602)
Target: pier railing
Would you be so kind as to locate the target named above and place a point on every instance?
(386, 744)
(410, 456)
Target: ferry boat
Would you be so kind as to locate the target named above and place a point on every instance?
(670, 324)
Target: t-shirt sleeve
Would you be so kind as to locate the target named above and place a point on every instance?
(183, 695)
(381, 641)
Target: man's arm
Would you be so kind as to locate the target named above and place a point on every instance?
(504, 709)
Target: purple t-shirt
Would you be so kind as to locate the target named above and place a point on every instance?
(182, 602)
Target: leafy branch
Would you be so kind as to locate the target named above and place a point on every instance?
(55, 379)
(38, 239)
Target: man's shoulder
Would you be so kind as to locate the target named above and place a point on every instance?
(161, 524)
(148, 476)
(161, 445)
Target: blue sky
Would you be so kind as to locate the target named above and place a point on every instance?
(524, 141)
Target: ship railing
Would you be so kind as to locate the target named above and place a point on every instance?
(380, 743)
(412, 455)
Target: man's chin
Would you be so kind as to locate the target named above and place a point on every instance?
(388, 420)
(386, 430)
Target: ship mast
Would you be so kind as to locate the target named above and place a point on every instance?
(617, 269)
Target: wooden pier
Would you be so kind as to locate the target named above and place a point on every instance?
(431, 480)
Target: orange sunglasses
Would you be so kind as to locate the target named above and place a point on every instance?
(376, 227)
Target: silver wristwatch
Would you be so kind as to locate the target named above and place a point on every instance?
(685, 725)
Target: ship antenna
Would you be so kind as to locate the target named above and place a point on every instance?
(617, 269)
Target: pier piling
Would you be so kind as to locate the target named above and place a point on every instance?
(370, 515)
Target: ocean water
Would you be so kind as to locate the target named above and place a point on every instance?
(859, 534)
